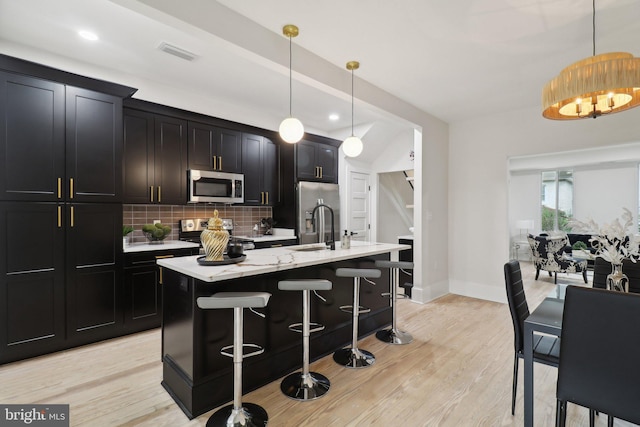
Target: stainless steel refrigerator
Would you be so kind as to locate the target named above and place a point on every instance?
(311, 194)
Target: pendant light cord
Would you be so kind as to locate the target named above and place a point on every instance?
(352, 103)
(290, 78)
(594, 26)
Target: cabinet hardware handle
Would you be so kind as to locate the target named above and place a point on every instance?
(159, 194)
(267, 193)
(71, 188)
(215, 162)
(262, 197)
(220, 162)
(317, 172)
(320, 171)
(59, 188)
(163, 256)
(59, 216)
(277, 245)
(151, 192)
(72, 217)
(160, 281)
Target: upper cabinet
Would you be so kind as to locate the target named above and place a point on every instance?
(260, 165)
(59, 142)
(316, 162)
(155, 158)
(214, 149)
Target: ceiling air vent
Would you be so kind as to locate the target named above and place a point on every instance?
(176, 51)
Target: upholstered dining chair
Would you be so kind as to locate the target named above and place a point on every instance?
(602, 268)
(549, 255)
(599, 354)
(546, 349)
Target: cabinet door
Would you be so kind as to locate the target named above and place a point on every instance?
(138, 162)
(270, 172)
(93, 146)
(229, 149)
(31, 138)
(94, 269)
(306, 166)
(32, 281)
(202, 147)
(327, 160)
(252, 166)
(170, 161)
(143, 298)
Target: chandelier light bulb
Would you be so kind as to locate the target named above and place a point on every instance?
(291, 130)
(352, 146)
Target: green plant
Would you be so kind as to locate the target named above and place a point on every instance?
(579, 245)
(126, 229)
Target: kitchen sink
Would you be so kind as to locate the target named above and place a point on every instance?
(308, 248)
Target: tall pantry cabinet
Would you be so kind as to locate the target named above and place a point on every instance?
(60, 209)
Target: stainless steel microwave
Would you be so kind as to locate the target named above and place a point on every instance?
(215, 187)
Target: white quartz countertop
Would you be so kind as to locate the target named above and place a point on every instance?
(165, 245)
(406, 237)
(261, 261)
(266, 238)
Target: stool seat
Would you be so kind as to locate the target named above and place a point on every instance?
(305, 285)
(406, 265)
(234, 299)
(358, 272)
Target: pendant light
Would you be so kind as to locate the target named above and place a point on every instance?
(601, 84)
(291, 129)
(352, 146)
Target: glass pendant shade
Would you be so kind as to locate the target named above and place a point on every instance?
(352, 146)
(291, 130)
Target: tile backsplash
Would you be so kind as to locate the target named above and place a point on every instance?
(244, 217)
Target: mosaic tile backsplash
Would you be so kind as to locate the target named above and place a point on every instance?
(244, 217)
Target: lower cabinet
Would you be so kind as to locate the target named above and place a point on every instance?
(143, 288)
(406, 281)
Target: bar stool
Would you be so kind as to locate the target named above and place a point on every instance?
(305, 385)
(354, 357)
(394, 335)
(238, 414)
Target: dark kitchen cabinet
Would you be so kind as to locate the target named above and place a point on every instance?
(143, 287)
(59, 142)
(316, 162)
(93, 146)
(94, 269)
(32, 279)
(214, 149)
(155, 158)
(260, 163)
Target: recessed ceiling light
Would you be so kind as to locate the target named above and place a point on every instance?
(88, 35)
(333, 117)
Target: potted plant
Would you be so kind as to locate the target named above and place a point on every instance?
(126, 230)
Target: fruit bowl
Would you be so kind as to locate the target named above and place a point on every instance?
(156, 233)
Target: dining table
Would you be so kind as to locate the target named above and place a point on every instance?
(546, 319)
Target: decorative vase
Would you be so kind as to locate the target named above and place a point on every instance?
(617, 280)
(214, 239)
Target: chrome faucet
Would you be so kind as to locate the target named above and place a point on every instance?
(332, 243)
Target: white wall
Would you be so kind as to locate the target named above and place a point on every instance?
(478, 184)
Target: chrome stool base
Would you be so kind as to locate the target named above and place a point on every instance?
(354, 358)
(249, 415)
(299, 386)
(391, 336)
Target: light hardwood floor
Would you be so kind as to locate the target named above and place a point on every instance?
(457, 372)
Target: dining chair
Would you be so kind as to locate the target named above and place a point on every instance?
(599, 354)
(546, 349)
(602, 268)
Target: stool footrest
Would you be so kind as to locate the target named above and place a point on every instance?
(313, 327)
(259, 350)
(349, 309)
(398, 296)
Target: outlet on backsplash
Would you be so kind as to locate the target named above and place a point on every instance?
(244, 217)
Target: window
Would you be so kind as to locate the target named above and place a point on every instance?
(556, 200)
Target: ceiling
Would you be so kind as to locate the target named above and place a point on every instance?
(455, 60)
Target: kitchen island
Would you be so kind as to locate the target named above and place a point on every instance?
(199, 378)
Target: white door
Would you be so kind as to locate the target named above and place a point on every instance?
(359, 211)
